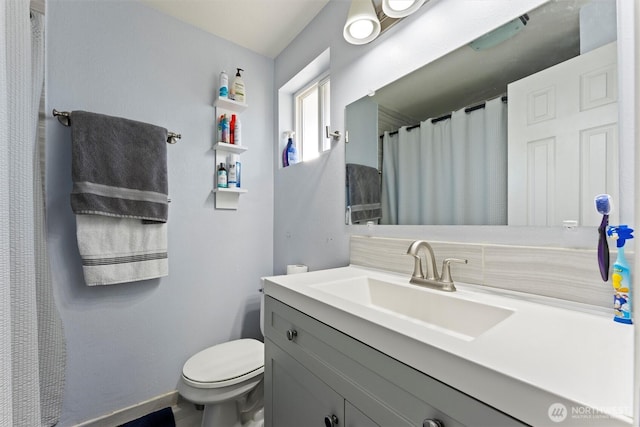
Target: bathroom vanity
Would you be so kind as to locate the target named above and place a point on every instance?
(317, 373)
(356, 347)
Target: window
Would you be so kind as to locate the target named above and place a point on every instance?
(312, 115)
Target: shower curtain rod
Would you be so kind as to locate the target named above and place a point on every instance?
(65, 119)
(448, 116)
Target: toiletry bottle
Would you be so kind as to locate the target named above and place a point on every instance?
(237, 139)
(290, 154)
(236, 160)
(232, 129)
(232, 179)
(621, 277)
(224, 85)
(220, 129)
(222, 176)
(225, 129)
(237, 87)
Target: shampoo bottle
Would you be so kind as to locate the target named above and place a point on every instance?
(237, 87)
(222, 176)
(621, 277)
(224, 85)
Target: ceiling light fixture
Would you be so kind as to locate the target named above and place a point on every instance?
(362, 24)
(400, 8)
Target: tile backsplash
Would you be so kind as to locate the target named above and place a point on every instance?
(568, 274)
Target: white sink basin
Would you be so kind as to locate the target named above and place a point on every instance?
(435, 309)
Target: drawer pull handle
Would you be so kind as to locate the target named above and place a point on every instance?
(292, 334)
(330, 421)
(432, 422)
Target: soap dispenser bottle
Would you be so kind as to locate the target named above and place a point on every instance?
(237, 88)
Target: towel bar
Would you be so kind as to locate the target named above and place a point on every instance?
(65, 119)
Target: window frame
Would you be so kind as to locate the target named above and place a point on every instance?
(322, 86)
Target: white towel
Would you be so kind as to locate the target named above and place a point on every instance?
(118, 250)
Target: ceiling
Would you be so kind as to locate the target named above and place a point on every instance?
(466, 77)
(263, 26)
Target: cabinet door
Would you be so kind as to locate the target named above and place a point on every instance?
(294, 397)
(355, 418)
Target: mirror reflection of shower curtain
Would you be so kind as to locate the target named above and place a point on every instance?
(453, 172)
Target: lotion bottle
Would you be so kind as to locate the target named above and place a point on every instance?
(237, 88)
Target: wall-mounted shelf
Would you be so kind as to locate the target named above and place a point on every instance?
(230, 148)
(227, 198)
(231, 105)
(229, 190)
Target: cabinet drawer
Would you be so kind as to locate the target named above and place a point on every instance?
(384, 389)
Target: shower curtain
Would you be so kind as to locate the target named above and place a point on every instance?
(32, 353)
(452, 172)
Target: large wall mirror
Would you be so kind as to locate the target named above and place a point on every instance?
(518, 127)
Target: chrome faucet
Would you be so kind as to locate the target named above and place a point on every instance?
(432, 279)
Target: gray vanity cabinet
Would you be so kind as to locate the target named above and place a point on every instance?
(315, 375)
(298, 398)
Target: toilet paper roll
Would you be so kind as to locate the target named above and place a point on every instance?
(297, 268)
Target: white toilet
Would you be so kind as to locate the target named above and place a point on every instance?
(227, 379)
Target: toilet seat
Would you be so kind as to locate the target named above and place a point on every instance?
(225, 364)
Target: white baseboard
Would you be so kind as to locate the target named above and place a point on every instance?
(133, 412)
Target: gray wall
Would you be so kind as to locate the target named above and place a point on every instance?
(128, 342)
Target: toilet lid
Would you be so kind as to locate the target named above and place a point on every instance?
(225, 361)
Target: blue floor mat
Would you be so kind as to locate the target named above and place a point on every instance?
(161, 418)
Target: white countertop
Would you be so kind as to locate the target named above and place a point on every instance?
(542, 356)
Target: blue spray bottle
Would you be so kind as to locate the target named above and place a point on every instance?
(289, 155)
(621, 277)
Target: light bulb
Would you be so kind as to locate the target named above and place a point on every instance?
(362, 24)
(400, 5)
(361, 29)
(400, 8)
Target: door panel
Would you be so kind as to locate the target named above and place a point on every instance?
(563, 141)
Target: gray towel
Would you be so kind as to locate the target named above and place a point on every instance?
(119, 167)
(363, 193)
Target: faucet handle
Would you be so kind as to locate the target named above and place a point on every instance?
(446, 269)
(417, 266)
